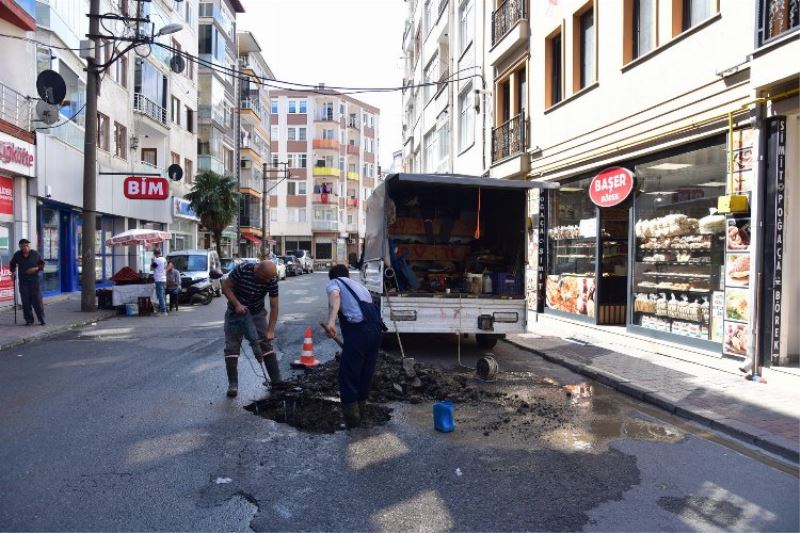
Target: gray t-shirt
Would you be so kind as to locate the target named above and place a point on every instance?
(349, 306)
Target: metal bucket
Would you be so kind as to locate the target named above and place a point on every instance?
(486, 368)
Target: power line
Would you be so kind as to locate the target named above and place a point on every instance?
(78, 112)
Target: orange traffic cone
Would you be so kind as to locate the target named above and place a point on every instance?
(307, 358)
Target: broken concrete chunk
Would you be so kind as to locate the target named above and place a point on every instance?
(397, 387)
(417, 383)
(408, 367)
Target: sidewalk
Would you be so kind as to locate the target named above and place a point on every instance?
(61, 313)
(709, 390)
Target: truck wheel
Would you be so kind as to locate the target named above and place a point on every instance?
(487, 342)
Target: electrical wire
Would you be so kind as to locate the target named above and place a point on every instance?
(41, 43)
(78, 112)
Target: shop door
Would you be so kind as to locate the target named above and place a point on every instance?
(612, 264)
(68, 253)
(6, 253)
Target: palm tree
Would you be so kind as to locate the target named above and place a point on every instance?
(215, 199)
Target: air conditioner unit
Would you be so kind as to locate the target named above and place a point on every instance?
(246, 163)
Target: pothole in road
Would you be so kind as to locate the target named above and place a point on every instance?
(313, 415)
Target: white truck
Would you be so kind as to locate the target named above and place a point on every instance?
(448, 254)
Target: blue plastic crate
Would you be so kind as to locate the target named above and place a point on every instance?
(505, 284)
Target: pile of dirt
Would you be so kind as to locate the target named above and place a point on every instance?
(312, 403)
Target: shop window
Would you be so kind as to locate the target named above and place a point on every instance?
(554, 68)
(583, 48)
(679, 251)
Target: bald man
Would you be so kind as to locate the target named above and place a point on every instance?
(245, 288)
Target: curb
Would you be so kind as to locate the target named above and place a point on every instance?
(778, 445)
(55, 331)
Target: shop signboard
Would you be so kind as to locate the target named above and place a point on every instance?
(182, 209)
(146, 188)
(778, 237)
(16, 156)
(611, 187)
(6, 284)
(6, 196)
(541, 236)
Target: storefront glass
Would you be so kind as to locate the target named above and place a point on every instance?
(679, 255)
(49, 249)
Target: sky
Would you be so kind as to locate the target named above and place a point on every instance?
(354, 43)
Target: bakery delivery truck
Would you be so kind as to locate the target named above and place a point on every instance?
(447, 254)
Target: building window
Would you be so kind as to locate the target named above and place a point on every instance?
(297, 188)
(430, 77)
(443, 142)
(275, 160)
(175, 110)
(291, 134)
(583, 73)
(120, 141)
(119, 71)
(466, 126)
(689, 13)
(554, 69)
(102, 132)
(150, 156)
(301, 134)
(175, 158)
(302, 161)
(273, 102)
(292, 106)
(297, 214)
(466, 28)
(189, 119)
(429, 142)
(188, 170)
(302, 106)
(776, 17)
(640, 28)
(273, 215)
(274, 133)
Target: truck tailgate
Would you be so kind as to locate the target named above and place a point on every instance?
(452, 315)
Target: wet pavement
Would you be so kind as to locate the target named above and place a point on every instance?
(125, 426)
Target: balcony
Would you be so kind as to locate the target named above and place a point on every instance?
(776, 18)
(254, 105)
(352, 176)
(441, 84)
(148, 108)
(352, 202)
(208, 162)
(215, 114)
(15, 108)
(326, 144)
(326, 117)
(324, 225)
(509, 29)
(321, 172)
(509, 139)
(325, 199)
(352, 149)
(353, 124)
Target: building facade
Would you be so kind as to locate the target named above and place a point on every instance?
(218, 88)
(255, 144)
(330, 144)
(145, 120)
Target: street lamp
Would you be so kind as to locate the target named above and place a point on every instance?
(173, 27)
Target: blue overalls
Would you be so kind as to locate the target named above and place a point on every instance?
(361, 343)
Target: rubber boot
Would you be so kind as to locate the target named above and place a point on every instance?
(231, 364)
(274, 372)
(352, 418)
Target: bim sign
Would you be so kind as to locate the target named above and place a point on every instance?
(611, 187)
(146, 188)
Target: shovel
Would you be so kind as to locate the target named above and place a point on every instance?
(336, 339)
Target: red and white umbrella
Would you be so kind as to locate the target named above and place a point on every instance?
(134, 237)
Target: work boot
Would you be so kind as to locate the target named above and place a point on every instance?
(352, 418)
(274, 372)
(231, 364)
(362, 409)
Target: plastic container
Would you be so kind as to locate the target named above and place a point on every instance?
(131, 309)
(487, 284)
(505, 284)
(443, 416)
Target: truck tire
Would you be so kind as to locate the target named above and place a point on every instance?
(487, 342)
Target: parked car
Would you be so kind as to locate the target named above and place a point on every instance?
(228, 263)
(201, 273)
(305, 259)
(293, 267)
(281, 267)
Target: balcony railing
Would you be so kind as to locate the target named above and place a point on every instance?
(352, 202)
(252, 104)
(326, 117)
(149, 165)
(505, 16)
(352, 149)
(15, 108)
(325, 172)
(352, 176)
(353, 124)
(327, 198)
(326, 144)
(509, 138)
(145, 106)
(325, 225)
(207, 162)
(776, 18)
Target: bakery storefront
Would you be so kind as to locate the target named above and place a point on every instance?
(642, 244)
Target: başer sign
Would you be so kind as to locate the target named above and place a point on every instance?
(611, 187)
(146, 188)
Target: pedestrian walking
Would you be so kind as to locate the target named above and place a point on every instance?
(29, 264)
(173, 285)
(245, 288)
(159, 268)
(362, 329)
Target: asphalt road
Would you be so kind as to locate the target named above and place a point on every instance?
(125, 426)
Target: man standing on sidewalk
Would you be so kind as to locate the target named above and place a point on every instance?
(245, 288)
(159, 268)
(29, 264)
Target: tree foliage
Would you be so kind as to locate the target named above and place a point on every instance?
(215, 199)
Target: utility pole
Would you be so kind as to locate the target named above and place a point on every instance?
(88, 298)
(264, 207)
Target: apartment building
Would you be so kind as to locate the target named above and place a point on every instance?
(330, 142)
(691, 103)
(17, 148)
(254, 144)
(218, 86)
(145, 122)
(445, 111)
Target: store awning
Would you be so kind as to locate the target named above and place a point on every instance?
(458, 180)
(252, 238)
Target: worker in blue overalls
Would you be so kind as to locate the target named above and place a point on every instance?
(362, 329)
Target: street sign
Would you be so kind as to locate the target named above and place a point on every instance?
(175, 172)
(146, 188)
(611, 186)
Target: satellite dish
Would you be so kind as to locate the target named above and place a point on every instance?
(51, 87)
(177, 64)
(47, 113)
(175, 172)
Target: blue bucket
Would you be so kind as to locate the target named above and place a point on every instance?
(443, 416)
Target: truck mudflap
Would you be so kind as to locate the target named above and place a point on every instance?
(453, 315)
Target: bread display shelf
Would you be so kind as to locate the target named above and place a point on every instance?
(689, 275)
(656, 290)
(682, 319)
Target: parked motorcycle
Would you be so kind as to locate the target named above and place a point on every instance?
(198, 289)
